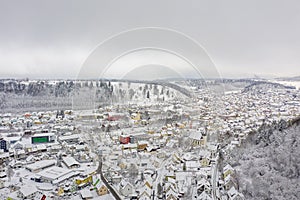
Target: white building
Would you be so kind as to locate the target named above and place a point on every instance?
(27, 192)
(40, 165)
(56, 174)
(70, 162)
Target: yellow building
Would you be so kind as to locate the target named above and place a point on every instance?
(227, 170)
(83, 181)
(204, 162)
(102, 190)
(136, 116)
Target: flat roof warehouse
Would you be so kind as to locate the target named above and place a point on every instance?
(56, 174)
(40, 165)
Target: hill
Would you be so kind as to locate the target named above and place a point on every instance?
(268, 164)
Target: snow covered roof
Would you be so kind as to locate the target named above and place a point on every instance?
(204, 153)
(70, 161)
(204, 196)
(228, 167)
(4, 155)
(41, 147)
(28, 190)
(65, 177)
(182, 176)
(86, 194)
(195, 135)
(203, 182)
(171, 193)
(233, 193)
(69, 137)
(43, 134)
(124, 183)
(18, 144)
(40, 165)
(212, 147)
(188, 156)
(192, 164)
(54, 173)
(12, 139)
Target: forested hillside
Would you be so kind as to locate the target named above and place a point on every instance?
(26, 95)
(268, 165)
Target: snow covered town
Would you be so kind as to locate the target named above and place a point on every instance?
(160, 144)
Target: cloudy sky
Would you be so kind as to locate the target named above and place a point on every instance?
(52, 39)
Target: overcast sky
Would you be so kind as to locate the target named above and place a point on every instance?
(52, 39)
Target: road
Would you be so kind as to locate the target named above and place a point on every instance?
(214, 179)
(103, 179)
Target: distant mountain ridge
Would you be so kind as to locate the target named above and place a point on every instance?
(294, 78)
